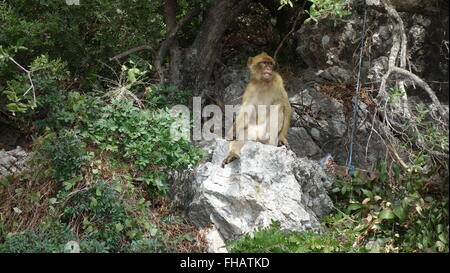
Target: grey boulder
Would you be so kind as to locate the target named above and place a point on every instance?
(267, 183)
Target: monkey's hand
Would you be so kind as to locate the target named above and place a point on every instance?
(230, 158)
(283, 141)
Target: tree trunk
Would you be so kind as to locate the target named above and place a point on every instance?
(171, 9)
(200, 57)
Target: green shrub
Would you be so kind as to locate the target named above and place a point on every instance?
(428, 228)
(163, 96)
(112, 221)
(80, 34)
(68, 110)
(50, 238)
(102, 213)
(142, 138)
(333, 9)
(273, 240)
(24, 97)
(66, 154)
(377, 216)
(148, 245)
(396, 216)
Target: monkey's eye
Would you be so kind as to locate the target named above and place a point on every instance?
(266, 64)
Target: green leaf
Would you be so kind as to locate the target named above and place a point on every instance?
(18, 191)
(147, 225)
(71, 182)
(360, 228)
(119, 227)
(440, 245)
(132, 233)
(35, 196)
(94, 202)
(386, 214)
(354, 206)
(442, 238)
(132, 74)
(400, 212)
(356, 180)
(90, 229)
(118, 187)
(367, 193)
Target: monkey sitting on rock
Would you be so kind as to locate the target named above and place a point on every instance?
(263, 95)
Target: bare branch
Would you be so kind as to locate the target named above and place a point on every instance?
(424, 85)
(131, 51)
(29, 79)
(299, 13)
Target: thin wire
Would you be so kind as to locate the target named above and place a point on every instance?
(355, 98)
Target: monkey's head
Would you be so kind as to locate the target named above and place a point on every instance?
(261, 67)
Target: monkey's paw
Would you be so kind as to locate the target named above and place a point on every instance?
(230, 158)
(284, 142)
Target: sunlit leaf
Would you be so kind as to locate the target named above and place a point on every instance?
(386, 214)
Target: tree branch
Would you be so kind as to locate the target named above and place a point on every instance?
(29, 79)
(425, 87)
(299, 13)
(131, 51)
(165, 45)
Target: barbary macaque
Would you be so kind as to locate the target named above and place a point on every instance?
(265, 112)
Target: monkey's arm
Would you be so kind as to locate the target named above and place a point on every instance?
(287, 113)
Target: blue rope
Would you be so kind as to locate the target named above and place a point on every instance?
(350, 167)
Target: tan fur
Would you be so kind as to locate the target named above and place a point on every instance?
(265, 88)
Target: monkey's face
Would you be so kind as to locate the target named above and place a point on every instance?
(261, 67)
(266, 70)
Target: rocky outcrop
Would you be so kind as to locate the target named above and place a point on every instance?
(267, 183)
(436, 8)
(333, 46)
(302, 143)
(13, 161)
(326, 128)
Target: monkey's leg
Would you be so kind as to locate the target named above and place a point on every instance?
(233, 154)
(284, 122)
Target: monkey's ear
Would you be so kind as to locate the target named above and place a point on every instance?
(249, 62)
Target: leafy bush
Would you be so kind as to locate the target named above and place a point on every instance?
(34, 91)
(68, 110)
(103, 215)
(148, 245)
(162, 96)
(273, 240)
(401, 216)
(100, 153)
(80, 34)
(142, 138)
(333, 9)
(66, 153)
(50, 238)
